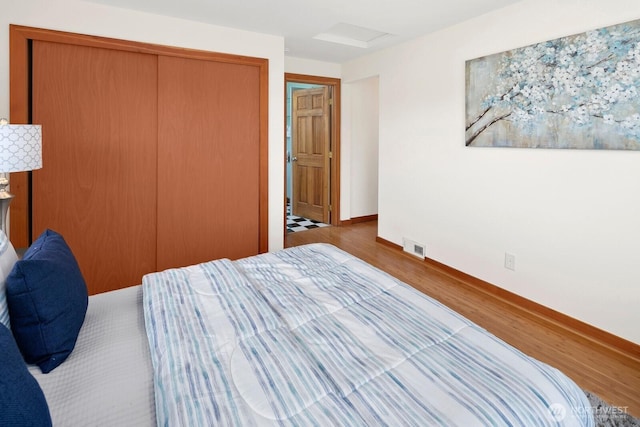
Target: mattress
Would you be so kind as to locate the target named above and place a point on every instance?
(314, 336)
(107, 380)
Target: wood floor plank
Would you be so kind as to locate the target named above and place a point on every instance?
(613, 376)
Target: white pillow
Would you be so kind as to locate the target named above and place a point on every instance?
(8, 258)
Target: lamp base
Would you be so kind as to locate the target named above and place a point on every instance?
(5, 200)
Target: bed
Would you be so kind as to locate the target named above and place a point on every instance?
(108, 378)
(303, 336)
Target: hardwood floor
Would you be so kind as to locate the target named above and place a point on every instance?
(594, 366)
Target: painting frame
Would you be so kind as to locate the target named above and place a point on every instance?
(576, 92)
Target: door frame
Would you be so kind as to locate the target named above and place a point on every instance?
(334, 132)
(20, 110)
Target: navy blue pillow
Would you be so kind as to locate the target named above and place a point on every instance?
(22, 402)
(47, 299)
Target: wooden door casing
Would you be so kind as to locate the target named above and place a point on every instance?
(97, 185)
(310, 150)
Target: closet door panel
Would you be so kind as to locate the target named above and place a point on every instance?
(98, 110)
(208, 160)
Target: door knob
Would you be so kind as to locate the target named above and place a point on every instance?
(294, 159)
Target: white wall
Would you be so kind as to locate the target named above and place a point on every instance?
(571, 217)
(94, 19)
(311, 67)
(361, 138)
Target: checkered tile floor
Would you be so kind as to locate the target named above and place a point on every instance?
(298, 223)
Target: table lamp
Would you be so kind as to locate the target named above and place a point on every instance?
(20, 151)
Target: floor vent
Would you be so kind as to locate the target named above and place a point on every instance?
(414, 248)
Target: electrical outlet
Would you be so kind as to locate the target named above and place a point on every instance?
(509, 261)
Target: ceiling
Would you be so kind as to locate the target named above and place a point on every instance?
(346, 29)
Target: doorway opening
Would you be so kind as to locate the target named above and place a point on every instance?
(312, 155)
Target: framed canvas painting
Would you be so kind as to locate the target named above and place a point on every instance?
(579, 92)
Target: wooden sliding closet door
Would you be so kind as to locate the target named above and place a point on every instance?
(98, 110)
(208, 160)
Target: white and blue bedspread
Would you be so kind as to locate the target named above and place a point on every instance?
(313, 336)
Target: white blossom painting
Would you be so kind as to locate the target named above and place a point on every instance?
(579, 91)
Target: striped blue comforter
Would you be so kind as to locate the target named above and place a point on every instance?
(313, 336)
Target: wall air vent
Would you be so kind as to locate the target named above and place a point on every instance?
(414, 248)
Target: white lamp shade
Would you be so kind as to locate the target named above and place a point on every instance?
(20, 148)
